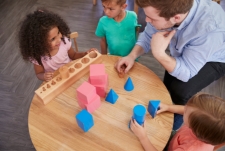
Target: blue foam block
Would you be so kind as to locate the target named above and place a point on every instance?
(153, 107)
(112, 97)
(140, 123)
(129, 85)
(139, 113)
(84, 120)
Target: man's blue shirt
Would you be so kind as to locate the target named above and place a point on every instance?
(199, 39)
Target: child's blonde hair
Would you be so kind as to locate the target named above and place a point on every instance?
(208, 120)
(118, 2)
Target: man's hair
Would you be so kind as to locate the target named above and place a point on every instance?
(208, 120)
(167, 8)
(118, 2)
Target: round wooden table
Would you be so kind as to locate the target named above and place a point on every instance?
(53, 127)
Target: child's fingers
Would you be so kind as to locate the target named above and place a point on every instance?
(159, 111)
(135, 122)
(137, 125)
(132, 125)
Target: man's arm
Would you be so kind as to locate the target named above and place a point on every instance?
(166, 61)
(159, 43)
(136, 52)
(128, 61)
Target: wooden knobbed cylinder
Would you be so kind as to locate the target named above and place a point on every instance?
(64, 72)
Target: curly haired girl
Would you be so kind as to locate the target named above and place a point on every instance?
(44, 41)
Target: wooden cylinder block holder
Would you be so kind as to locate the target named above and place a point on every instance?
(78, 65)
(71, 70)
(93, 54)
(68, 76)
(64, 72)
(85, 60)
(53, 82)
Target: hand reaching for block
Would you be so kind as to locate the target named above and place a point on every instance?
(122, 71)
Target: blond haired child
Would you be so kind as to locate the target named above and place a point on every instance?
(117, 28)
(204, 125)
(44, 41)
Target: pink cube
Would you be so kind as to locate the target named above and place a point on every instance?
(94, 104)
(81, 104)
(86, 92)
(101, 88)
(97, 74)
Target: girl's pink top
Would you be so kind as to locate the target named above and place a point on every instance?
(185, 140)
(56, 61)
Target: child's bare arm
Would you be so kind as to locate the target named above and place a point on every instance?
(141, 134)
(41, 74)
(103, 45)
(179, 109)
(75, 55)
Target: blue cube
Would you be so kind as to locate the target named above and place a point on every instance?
(85, 120)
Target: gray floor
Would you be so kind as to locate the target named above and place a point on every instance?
(17, 78)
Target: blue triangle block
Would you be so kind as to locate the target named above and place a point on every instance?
(129, 85)
(153, 107)
(111, 97)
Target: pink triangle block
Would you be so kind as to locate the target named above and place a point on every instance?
(86, 92)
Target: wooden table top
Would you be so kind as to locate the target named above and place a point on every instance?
(53, 127)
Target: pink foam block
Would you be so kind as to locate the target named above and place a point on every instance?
(81, 104)
(86, 92)
(101, 91)
(102, 88)
(97, 74)
(92, 105)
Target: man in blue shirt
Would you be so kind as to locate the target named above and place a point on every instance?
(195, 33)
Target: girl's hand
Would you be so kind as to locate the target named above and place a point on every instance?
(137, 129)
(87, 52)
(48, 76)
(162, 108)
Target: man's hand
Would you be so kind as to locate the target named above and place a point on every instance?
(160, 42)
(124, 64)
